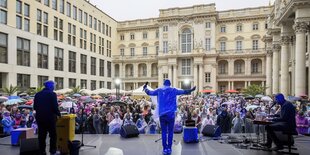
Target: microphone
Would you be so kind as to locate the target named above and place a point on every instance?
(274, 103)
(146, 83)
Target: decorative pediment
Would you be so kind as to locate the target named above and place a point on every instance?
(121, 46)
(145, 44)
(223, 39)
(132, 45)
(156, 43)
(255, 36)
(239, 38)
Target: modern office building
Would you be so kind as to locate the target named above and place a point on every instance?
(75, 43)
(69, 41)
(288, 48)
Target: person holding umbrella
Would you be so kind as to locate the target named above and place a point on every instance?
(46, 107)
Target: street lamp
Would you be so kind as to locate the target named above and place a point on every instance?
(117, 88)
(187, 83)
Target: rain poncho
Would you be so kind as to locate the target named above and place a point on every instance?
(115, 125)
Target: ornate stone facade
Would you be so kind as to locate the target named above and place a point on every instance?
(216, 50)
(292, 18)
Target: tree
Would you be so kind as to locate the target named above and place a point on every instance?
(11, 90)
(33, 91)
(254, 90)
(75, 90)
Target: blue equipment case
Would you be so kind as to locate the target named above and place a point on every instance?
(190, 134)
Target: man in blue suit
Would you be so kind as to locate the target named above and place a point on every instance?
(167, 106)
(46, 107)
(284, 122)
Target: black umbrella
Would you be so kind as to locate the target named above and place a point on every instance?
(249, 97)
(25, 107)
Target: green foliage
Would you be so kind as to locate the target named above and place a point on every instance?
(75, 90)
(11, 90)
(33, 91)
(254, 90)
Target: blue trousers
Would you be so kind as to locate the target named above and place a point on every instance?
(167, 125)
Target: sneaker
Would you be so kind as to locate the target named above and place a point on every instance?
(165, 152)
(169, 151)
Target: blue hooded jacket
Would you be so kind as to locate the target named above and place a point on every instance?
(287, 113)
(166, 97)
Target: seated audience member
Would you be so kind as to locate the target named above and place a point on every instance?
(302, 123)
(7, 123)
(141, 124)
(115, 125)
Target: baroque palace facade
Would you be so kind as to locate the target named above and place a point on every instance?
(217, 50)
(76, 44)
(288, 48)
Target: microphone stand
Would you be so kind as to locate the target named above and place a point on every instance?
(83, 124)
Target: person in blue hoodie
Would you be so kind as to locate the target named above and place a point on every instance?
(285, 122)
(167, 106)
(46, 106)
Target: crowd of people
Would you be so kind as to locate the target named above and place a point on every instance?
(232, 113)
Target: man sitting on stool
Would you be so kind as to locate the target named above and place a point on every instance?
(286, 122)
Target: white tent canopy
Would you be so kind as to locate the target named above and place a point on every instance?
(140, 91)
(102, 91)
(87, 91)
(63, 91)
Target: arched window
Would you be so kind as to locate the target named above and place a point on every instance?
(186, 41)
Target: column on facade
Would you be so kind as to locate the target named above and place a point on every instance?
(300, 75)
(201, 77)
(245, 84)
(249, 83)
(292, 48)
(175, 75)
(135, 70)
(148, 70)
(269, 73)
(231, 67)
(160, 76)
(247, 67)
(121, 71)
(229, 86)
(276, 68)
(284, 65)
(308, 61)
(195, 75)
(170, 72)
(232, 85)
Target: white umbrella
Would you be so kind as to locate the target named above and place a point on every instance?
(251, 107)
(63, 91)
(102, 91)
(13, 101)
(68, 104)
(259, 96)
(228, 102)
(266, 99)
(3, 99)
(87, 91)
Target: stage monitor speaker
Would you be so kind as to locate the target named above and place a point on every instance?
(29, 147)
(129, 131)
(211, 131)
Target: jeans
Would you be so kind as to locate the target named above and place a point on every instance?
(167, 125)
(44, 128)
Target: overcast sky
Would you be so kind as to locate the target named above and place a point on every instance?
(136, 9)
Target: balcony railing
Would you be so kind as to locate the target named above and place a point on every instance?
(142, 75)
(239, 73)
(243, 51)
(129, 75)
(136, 57)
(155, 75)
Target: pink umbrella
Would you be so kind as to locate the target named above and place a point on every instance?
(84, 97)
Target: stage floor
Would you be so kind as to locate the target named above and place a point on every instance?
(146, 145)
